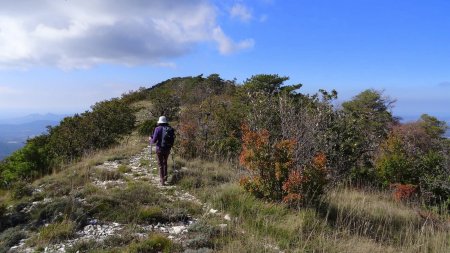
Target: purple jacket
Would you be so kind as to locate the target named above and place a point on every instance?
(157, 138)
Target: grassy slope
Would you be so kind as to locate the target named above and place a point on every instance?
(348, 221)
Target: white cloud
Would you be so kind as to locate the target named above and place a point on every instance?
(241, 12)
(82, 33)
(227, 46)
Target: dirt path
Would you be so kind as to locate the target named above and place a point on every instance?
(142, 168)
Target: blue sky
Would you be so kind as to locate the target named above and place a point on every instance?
(63, 56)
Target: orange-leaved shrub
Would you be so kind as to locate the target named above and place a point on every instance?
(272, 171)
(403, 192)
(187, 138)
(307, 185)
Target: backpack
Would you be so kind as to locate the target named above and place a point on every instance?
(168, 137)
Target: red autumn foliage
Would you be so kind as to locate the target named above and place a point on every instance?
(272, 169)
(308, 184)
(402, 192)
(187, 138)
(292, 187)
(254, 148)
(320, 160)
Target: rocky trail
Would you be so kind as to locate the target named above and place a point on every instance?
(143, 169)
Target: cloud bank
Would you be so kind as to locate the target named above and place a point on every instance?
(83, 33)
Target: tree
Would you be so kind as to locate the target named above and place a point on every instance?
(165, 103)
(415, 154)
(270, 84)
(434, 127)
(261, 94)
(366, 122)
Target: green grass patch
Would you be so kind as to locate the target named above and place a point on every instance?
(108, 175)
(155, 243)
(124, 169)
(151, 214)
(122, 205)
(200, 174)
(54, 233)
(271, 220)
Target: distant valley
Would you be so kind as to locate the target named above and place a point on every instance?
(14, 132)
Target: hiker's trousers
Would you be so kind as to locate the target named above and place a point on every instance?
(163, 156)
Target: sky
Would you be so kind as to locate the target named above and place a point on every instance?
(62, 56)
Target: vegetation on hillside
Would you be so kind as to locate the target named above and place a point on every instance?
(276, 130)
(75, 136)
(295, 171)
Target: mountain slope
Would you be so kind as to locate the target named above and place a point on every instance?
(109, 200)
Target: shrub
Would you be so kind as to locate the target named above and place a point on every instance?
(21, 189)
(146, 128)
(154, 244)
(256, 157)
(306, 186)
(403, 191)
(273, 172)
(123, 168)
(56, 232)
(123, 205)
(151, 214)
(415, 154)
(135, 96)
(10, 237)
(104, 126)
(106, 175)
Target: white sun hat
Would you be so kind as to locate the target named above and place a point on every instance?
(162, 120)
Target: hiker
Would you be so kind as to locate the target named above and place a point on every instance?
(163, 137)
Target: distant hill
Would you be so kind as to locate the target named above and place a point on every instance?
(15, 131)
(32, 118)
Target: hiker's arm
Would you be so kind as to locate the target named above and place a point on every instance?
(154, 138)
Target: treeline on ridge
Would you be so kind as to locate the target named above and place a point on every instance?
(292, 145)
(75, 136)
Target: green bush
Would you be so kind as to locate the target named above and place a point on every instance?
(154, 244)
(21, 189)
(123, 168)
(75, 136)
(55, 232)
(10, 237)
(151, 214)
(135, 96)
(123, 205)
(415, 153)
(106, 175)
(146, 128)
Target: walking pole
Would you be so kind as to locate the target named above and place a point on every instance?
(173, 163)
(150, 151)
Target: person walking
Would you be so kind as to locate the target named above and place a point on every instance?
(163, 137)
